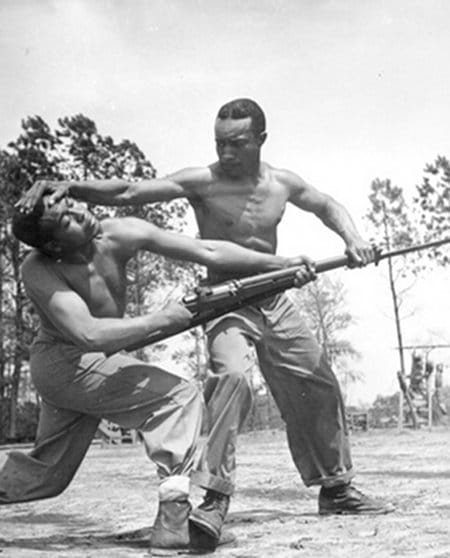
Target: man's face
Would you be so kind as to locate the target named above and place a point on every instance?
(237, 146)
(73, 225)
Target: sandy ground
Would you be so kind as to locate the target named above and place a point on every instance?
(272, 514)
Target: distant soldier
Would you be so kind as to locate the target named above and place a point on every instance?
(438, 384)
(417, 374)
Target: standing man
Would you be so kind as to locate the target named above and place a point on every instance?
(76, 280)
(242, 199)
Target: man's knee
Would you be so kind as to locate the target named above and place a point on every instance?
(230, 384)
(58, 488)
(240, 381)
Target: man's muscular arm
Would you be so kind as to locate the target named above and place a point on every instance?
(71, 317)
(132, 234)
(332, 214)
(117, 192)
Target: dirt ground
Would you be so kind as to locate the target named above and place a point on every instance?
(272, 513)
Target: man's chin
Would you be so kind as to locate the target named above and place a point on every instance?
(231, 171)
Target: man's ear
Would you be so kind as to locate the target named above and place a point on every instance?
(262, 138)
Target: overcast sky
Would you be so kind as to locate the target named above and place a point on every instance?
(352, 90)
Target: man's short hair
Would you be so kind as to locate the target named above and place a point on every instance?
(30, 228)
(244, 108)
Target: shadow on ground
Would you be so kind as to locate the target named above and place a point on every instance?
(59, 543)
(133, 539)
(409, 474)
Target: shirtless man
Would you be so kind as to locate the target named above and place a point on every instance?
(76, 280)
(241, 198)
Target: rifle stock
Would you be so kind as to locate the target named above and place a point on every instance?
(208, 303)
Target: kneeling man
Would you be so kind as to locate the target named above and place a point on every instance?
(76, 280)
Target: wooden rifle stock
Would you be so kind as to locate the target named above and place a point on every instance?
(208, 303)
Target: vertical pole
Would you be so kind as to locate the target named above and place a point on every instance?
(429, 390)
(430, 401)
(396, 314)
(400, 410)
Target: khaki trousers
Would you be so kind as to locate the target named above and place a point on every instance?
(303, 385)
(77, 391)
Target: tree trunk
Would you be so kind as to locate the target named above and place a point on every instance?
(140, 353)
(322, 328)
(2, 333)
(19, 333)
(14, 401)
(397, 319)
(200, 355)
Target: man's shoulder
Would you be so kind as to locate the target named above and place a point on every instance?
(288, 179)
(193, 177)
(36, 268)
(35, 260)
(112, 225)
(115, 230)
(277, 178)
(279, 173)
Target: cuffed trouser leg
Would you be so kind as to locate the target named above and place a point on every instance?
(124, 390)
(308, 396)
(228, 398)
(304, 387)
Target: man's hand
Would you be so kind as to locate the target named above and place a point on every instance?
(304, 275)
(56, 190)
(301, 260)
(360, 253)
(307, 271)
(177, 316)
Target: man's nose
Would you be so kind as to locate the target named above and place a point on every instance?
(228, 152)
(78, 212)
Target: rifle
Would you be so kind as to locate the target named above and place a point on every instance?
(210, 302)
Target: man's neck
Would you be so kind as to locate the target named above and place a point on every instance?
(83, 254)
(252, 174)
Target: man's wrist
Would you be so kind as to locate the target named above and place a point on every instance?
(72, 188)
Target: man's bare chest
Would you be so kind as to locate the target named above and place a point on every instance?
(258, 210)
(100, 283)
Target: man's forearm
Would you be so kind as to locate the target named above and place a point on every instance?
(103, 192)
(338, 219)
(226, 256)
(126, 192)
(114, 334)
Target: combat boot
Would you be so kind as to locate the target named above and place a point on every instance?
(345, 499)
(206, 521)
(171, 530)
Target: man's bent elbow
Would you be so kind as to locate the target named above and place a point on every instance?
(89, 341)
(210, 256)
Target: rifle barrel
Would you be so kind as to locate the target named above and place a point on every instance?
(414, 248)
(272, 282)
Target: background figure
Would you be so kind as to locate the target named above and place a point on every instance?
(438, 385)
(416, 378)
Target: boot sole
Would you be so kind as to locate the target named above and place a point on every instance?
(356, 512)
(204, 526)
(204, 541)
(169, 551)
